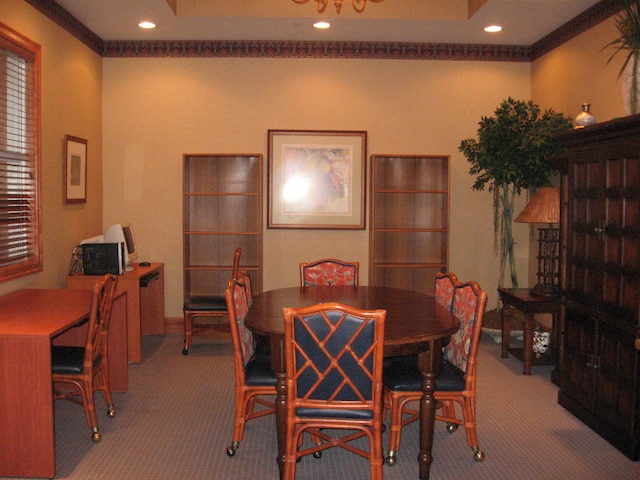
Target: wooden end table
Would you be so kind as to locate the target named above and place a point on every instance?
(520, 299)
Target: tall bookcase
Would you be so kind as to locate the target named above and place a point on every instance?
(222, 210)
(409, 227)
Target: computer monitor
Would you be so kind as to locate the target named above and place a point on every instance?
(122, 232)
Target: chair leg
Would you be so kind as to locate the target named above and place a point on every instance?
(88, 402)
(103, 377)
(239, 423)
(188, 320)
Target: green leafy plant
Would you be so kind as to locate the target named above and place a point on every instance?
(509, 156)
(628, 26)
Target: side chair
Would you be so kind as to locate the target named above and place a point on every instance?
(254, 378)
(87, 368)
(210, 306)
(334, 382)
(456, 381)
(329, 271)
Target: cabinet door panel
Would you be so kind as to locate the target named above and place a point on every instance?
(579, 348)
(616, 370)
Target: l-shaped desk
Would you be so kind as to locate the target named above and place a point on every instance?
(30, 321)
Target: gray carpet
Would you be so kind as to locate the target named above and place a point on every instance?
(177, 420)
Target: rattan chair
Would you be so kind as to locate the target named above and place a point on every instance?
(334, 382)
(210, 306)
(86, 369)
(329, 271)
(254, 378)
(456, 381)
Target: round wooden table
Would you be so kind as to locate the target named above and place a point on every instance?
(415, 323)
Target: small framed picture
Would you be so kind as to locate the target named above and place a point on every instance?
(75, 170)
(317, 179)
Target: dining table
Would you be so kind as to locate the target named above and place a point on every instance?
(415, 324)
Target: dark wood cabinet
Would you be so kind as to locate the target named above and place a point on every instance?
(599, 370)
(409, 228)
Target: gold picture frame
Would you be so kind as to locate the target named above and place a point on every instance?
(75, 170)
(317, 179)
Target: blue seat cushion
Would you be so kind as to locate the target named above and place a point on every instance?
(331, 413)
(215, 303)
(258, 372)
(67, 360)
(402, 374)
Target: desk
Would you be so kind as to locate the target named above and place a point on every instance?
(521, 299)
(30, 321)
(414, 324)
(145, 302)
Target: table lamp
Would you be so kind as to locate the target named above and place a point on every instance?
(544, 207)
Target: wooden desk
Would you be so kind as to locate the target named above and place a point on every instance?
(145, 302)
(30, 321)
(521, 299)
(414, 324)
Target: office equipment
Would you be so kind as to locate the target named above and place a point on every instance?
(103, 258)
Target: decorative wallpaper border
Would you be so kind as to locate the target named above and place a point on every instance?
(302, 49)
(350, 50)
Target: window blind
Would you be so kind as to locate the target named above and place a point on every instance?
(20, 249)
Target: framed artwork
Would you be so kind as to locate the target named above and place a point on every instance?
(317, 179)
(75, 170)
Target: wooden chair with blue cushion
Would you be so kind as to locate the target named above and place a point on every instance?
(456, 381)
(211, 306)
(254, 378)
(87, 368)
(329, 271)
(334, 382)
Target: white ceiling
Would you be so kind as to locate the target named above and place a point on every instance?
(524, 21)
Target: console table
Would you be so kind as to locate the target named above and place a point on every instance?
(145, 302)
(520, 299)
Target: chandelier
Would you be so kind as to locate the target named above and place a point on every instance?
(321, 5)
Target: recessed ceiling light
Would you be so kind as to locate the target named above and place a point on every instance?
(493, 29)
(147, 25)
(322, 25)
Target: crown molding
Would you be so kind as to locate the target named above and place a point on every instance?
(350, 50)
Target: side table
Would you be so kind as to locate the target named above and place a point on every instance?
(520, 299)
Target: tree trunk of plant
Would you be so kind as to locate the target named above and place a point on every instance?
(507, 250)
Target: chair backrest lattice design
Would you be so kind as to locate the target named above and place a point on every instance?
(468, 306)
(329, 271)
(445, 289)
(336, 359)
(96, 346)
(242, 338)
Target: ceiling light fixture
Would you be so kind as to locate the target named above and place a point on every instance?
(321, 5)
(493, 29)
(147, 25)
(322, 25)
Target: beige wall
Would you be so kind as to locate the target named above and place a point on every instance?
(157, 109)
(577, 72)
(71, 105)
(144, 114)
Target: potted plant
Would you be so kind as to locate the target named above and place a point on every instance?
(628, 41)
(509, 156)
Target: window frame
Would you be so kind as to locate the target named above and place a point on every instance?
(31, 261)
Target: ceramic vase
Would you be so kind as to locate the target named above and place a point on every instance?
(585, 117)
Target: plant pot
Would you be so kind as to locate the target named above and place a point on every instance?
(492, 326)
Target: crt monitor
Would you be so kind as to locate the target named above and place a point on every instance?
(122, 232)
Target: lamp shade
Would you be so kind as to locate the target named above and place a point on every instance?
(544, 207)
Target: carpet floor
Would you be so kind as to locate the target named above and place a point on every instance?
(177, 418)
